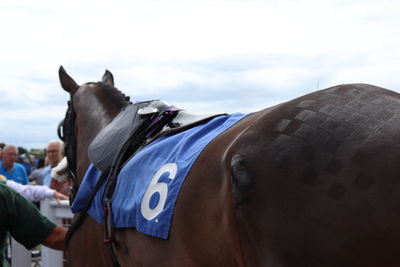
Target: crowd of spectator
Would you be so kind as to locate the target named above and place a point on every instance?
(27, 168)
(24, 178)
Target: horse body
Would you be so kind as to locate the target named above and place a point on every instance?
(310, 182)
(325, 171)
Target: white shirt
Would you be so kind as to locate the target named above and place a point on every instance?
(31, 192)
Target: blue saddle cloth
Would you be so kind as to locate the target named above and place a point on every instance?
(148, 185)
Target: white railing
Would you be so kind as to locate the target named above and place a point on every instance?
(21, 257)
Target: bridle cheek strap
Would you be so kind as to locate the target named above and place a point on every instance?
(66, 132)
(69, 130)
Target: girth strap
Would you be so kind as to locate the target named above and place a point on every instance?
(133, 145)
(136, 141)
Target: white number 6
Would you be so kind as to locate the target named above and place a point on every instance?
(161, 188)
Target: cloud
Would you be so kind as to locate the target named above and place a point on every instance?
(205, 56)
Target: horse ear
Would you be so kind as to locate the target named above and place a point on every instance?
(67, 83)
(108, 78)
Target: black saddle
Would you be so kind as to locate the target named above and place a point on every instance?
(155, 117)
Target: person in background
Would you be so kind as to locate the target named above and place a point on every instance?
(26, 161)
(26, 224)
(60, 180)
(37, 174)
(33, 192)
(10, 168)
(53, 156)
(2, 145)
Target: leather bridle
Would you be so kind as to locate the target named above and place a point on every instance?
(66, 132)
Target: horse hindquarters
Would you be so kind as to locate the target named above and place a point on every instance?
(316, 181)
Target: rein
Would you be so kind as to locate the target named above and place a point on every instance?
(137, 140)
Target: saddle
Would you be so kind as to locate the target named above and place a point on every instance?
(149, 120)
(135, 126)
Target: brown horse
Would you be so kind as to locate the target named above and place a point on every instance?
(311, 182)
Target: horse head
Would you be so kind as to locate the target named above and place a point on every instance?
(69, 85)
(91, 107)
(97, 104)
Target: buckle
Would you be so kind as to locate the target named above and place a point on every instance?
(109, 236)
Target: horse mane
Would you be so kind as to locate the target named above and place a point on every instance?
(113, 94)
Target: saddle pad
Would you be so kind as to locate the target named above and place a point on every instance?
(148, 185)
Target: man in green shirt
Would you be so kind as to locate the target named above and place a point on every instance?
(26, 224)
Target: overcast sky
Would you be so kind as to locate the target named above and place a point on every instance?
(205, 56)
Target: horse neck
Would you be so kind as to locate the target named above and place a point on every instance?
(93, 115)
